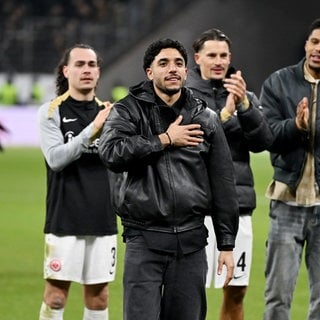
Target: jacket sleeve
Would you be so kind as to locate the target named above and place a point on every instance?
(225, 213)
(122, 144)
(281, 116)
(255, 128)
(57, 153)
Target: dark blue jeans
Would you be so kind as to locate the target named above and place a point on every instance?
(163, 286)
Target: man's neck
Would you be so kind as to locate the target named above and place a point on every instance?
(315, 73)
(169, 100)
(82, 95)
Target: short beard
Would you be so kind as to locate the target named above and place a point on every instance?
(169, 92)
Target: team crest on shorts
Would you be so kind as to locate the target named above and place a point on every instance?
(55, 265)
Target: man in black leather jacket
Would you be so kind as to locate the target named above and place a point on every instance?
(291, 100)
(178, 169)
(246, 130)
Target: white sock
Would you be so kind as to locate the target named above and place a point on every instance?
(95, 314)
(47, 313)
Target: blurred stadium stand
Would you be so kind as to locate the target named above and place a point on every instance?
(34, 33)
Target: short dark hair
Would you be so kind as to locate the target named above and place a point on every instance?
(211, 34)
(155, 47)
(61, 82)
(314, 25)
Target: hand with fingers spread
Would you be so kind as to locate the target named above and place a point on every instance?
(302, 115)
(182, 135)
(236, 86)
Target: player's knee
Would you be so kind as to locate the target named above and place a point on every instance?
(97, 303)
(56, 301)
(96, 297)
(101, 305)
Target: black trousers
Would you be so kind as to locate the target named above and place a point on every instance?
(163, 286)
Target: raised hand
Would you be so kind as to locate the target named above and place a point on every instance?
(302, 114)
(102, 115)
(236, 86)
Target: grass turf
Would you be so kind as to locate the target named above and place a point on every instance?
(22, 199)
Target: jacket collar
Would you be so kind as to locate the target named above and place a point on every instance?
(144, 91)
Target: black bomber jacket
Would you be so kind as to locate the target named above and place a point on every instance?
(169, 189)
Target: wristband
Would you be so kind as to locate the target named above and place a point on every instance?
(170, 141)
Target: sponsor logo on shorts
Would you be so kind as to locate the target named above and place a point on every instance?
(55, 265)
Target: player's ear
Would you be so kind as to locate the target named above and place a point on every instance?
(65, 71)
(149, 73)
(196, 57)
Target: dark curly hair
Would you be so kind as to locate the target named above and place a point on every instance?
(313, 26)
(155, 47)
(61, 81)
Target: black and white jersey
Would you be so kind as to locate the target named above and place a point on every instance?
(78, 188)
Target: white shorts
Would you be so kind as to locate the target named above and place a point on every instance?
(82, 259)
(242, 254)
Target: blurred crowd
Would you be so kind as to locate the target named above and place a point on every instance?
(34, 32)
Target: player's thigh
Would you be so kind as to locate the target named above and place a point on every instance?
(64, 256)
(100, 259)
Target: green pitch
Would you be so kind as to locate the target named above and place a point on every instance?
(22, 199)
